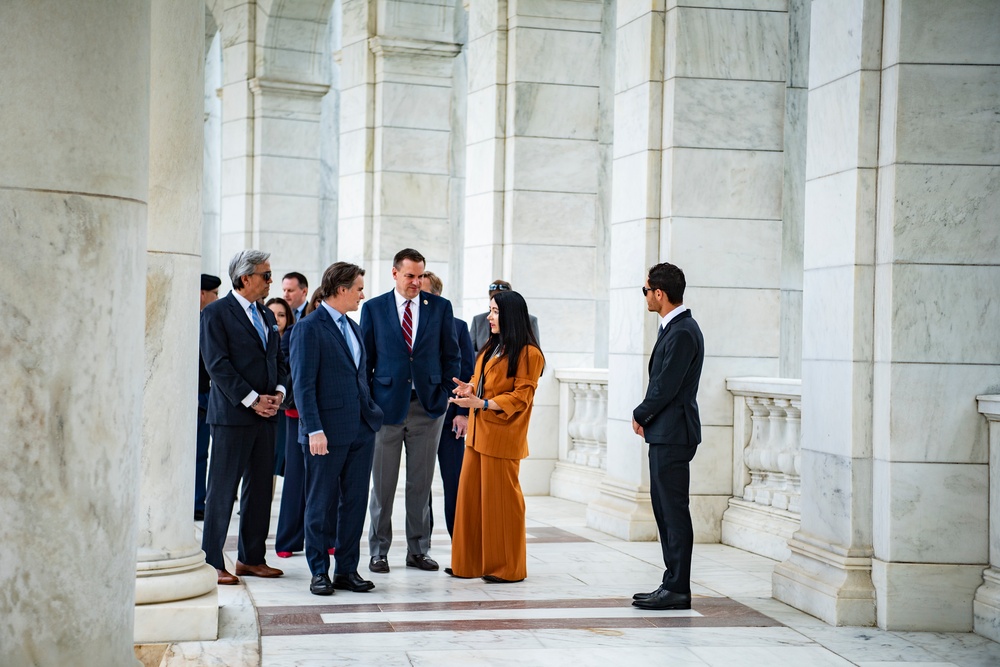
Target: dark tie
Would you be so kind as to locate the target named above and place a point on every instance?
(408, 326)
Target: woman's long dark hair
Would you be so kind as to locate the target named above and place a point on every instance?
(289, 318)
(515, 330)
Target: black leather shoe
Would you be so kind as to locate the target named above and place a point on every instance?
(491, 579)
(421, 561)
(664, 599)
(645, 596)
(321, 585)
(352, 582)
(379, 564)
(199, 515)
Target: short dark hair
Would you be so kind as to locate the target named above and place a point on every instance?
(437, 286)
(410, 254)
(298, 276)
(669, 279)
(337, 276)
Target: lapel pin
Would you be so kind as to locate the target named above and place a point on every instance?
(425, 302)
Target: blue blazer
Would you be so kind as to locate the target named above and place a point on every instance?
(468, 365)
(393, 372)
(669, 413)
(331, 393)
(237, 362)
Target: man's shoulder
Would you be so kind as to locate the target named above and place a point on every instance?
(219, 306)
(375, 301)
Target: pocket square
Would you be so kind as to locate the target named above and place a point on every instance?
(274, 328)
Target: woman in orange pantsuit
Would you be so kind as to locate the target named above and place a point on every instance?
(489, 537)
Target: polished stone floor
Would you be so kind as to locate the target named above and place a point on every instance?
(573, 610)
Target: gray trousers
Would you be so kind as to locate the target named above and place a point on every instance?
(419, 434)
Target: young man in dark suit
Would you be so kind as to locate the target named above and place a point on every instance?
(241, 350)
(668, 420)
(412, 356)
(337, 424)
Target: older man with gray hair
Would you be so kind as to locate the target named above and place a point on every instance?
(242, 353)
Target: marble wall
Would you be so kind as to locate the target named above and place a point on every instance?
(73, 192)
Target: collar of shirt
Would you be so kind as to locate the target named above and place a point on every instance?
(414, 309)
(246, 306)
(671, 315)
(334, 313)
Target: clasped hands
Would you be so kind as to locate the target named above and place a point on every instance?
(267, 404)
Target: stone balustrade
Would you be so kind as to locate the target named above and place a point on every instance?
(986, 605)
(764, 510)
(583, 428)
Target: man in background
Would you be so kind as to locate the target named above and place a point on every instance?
(480, 328)
(294, 288)
(209, 293)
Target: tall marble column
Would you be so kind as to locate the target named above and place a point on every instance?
(829, 571)
(74, 126)
(623, 506)
(534, 169)
(937, 271)
(986, 606)
(176, 595)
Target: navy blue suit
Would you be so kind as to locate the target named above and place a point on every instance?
(332, 395)
(413, 390)
(672, 427)
(451, 450)
(242, 440)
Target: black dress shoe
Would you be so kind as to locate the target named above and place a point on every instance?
(321, 585)
(490, 579)
(644, 596)
(352, 582)
(451, 573)
(421, 561)
(199, 515)
(379, 564)
(664, 599)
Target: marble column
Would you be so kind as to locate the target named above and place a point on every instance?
(175, 590)
(534, 170)
(73, 189)
(829, 571)
(937, 272)
(623, 507)
(986, 606)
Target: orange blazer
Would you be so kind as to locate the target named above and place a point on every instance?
(503, 433)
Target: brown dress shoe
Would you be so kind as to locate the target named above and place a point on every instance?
(263, 570)
(226, 579)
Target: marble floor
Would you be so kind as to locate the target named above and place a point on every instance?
(573, 610)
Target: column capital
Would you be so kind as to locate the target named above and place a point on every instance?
(259, 86)
(397, 46)
(989, 406)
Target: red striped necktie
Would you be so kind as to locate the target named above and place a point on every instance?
(408, 326)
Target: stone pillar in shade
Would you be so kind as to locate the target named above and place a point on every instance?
(986, 607)
(829, 571)
(74, 126)
(176, 596)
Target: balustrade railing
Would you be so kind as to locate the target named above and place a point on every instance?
(583, 433)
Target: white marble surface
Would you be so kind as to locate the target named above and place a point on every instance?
(844, 128)
(722, 183)
(635, 195)
(554, 56)
(716, 309)
(840, 514)
(639, 51)
(837, 408)
(935, 512)
(637, 125)
(554, 218)
(726, 44)
(712, 113)
(721, 252)
(941, 114)
(840, 219)
(920, 32)
(836, 309)
(942, 601)
(846, 37)
(554, 165)
(534, 104)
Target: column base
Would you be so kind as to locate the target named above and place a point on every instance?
(534, 477)
(578, 483)
(986, 606)
(194, 619)
(834, 586)
(762, 530)
(940, 602)
(622, 510)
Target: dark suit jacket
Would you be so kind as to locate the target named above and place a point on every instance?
(331, 393)
(669, 413)
(393, 371)
(480, 330)
(468, 365)
(237, 362)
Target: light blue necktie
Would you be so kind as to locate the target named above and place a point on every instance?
(258, 324)
(349, 338)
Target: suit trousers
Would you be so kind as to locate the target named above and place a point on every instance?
(669, 482)
(419, 434)
(451, 450)
(337, 484)
(245, 452)
(490, 535)
(291, 533)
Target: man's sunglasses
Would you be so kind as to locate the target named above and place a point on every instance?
(498, 287)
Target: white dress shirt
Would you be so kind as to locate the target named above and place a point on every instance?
(671, 315)
(414, 311)
(252, 396)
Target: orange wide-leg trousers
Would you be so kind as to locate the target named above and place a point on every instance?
(489, 534)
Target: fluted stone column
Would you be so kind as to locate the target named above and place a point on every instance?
(176, 595)
(74, 127)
